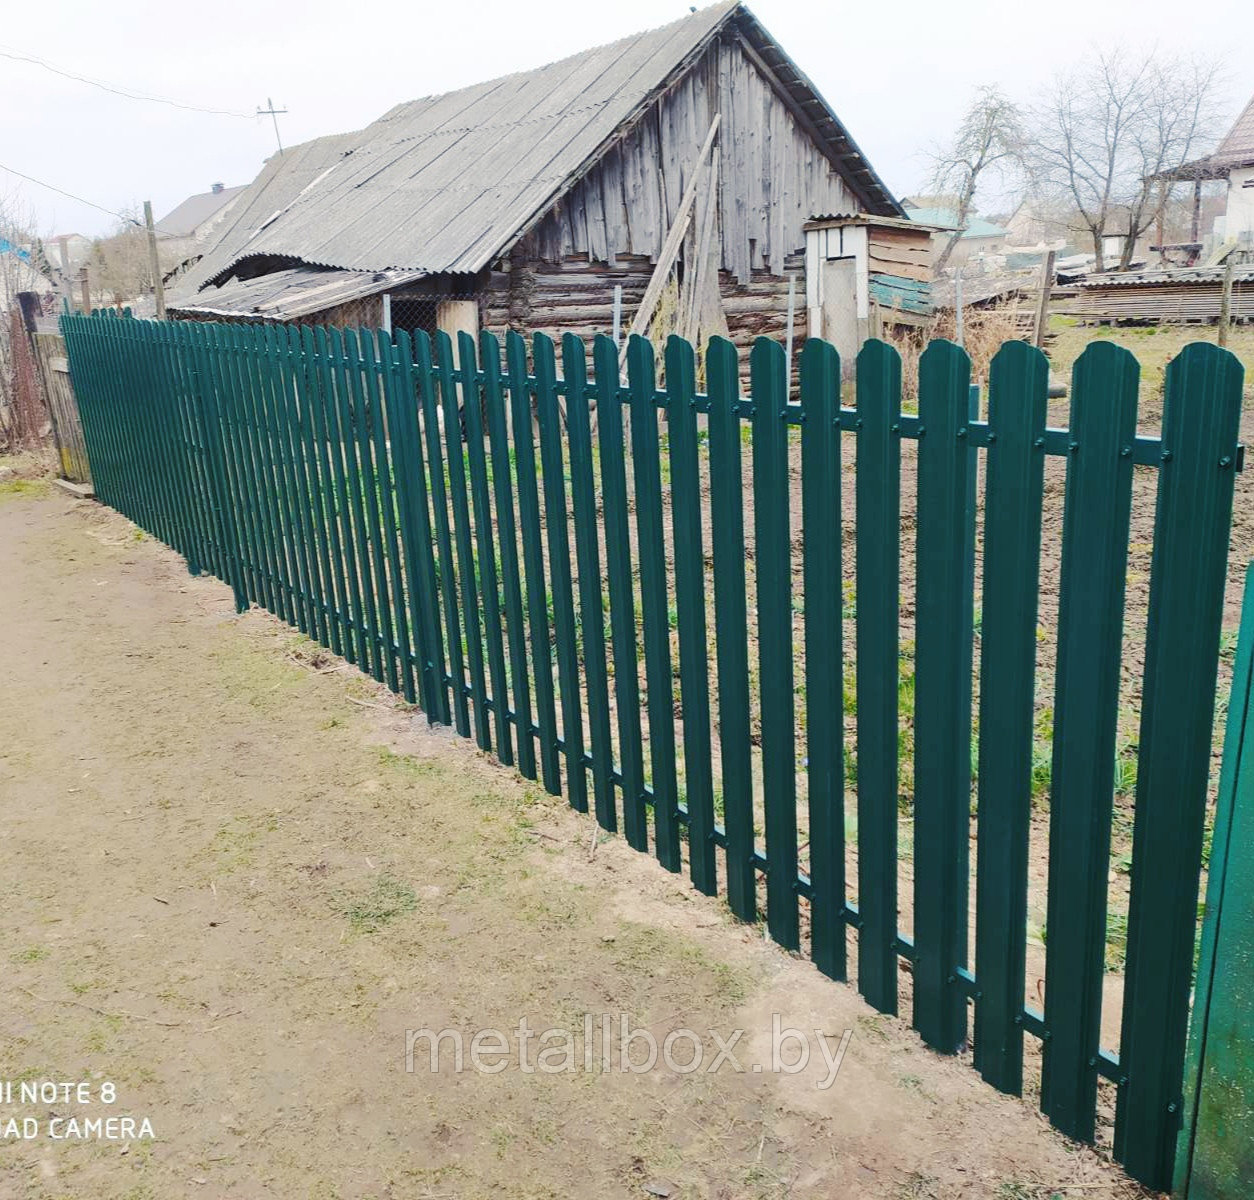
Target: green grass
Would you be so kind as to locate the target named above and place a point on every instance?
(385, 901)
(24, 489)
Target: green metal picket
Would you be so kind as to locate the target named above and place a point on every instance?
(461, 527)
(1018, 391)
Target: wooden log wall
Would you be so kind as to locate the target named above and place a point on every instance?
(577, 296)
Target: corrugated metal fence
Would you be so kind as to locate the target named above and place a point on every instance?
(461, 526)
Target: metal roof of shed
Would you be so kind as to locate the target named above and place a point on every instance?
(447, 183)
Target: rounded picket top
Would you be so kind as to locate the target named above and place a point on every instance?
(875, 353)
(1105, 370)
(541, 344)
(820, 353)
(721, 347)
(945, 351)
(681, 366)
(766, 354)
(515, 350)
(1209, 369)
(1018, 376)
(1018, 353)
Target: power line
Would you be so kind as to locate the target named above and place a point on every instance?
(117, 90)
(69, 195)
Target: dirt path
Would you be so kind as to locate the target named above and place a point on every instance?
(229, 890)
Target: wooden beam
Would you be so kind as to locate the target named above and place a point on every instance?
(1225, 301)
(670, 247)
(709, 218)
(1041, 323)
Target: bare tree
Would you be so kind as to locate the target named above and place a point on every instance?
(990, 141)
(121, 264)
(1107, 128)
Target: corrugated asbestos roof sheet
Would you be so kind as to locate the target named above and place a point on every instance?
(1165, 277)
(446, 183)
(288, 295)
(184, 220)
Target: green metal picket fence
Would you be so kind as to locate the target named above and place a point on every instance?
(412, 505)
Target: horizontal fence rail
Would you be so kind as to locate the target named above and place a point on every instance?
(637, 593)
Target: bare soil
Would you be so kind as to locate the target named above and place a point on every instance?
(234, 873)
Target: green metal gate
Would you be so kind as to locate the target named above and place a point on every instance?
(1216, 1157)
(533, 581)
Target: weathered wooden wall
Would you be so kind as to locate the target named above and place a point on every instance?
(772, 176)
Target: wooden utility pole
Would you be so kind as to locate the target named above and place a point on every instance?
(84, 285)
(1225, 300)
(158, 284)
(274, 114)
(1041, 323)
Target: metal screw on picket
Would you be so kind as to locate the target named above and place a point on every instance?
(1166, 456)
(1039, 443)
(1125, 451)
(1073, 447)
(1226, 461)
(962, 432)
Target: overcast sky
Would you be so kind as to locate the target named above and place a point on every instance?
(897, 74)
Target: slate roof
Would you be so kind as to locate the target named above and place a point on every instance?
(447, 183)
(189, 216)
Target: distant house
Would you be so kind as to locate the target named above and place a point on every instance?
(1233, 162)
(524, 202)
(187, 229)
(980, 238)
(67, 251)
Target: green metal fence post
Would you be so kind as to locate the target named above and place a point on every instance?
(731, 624)
(557, 531)
(1086, 704)
(1018, 388)
(1201, 419)
(646, 461)
(489, 588)
(619, 585)
(694, 650)
(533, 560)
(878, 544)
(772, 554)
(825, 684)
(942, 711)
(588, 560)
(511, 575)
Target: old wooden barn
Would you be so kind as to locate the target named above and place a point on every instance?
(527, 201)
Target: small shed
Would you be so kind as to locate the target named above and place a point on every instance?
(863, 273)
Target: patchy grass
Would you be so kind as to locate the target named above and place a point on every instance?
(385, 901)
(24, 489)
